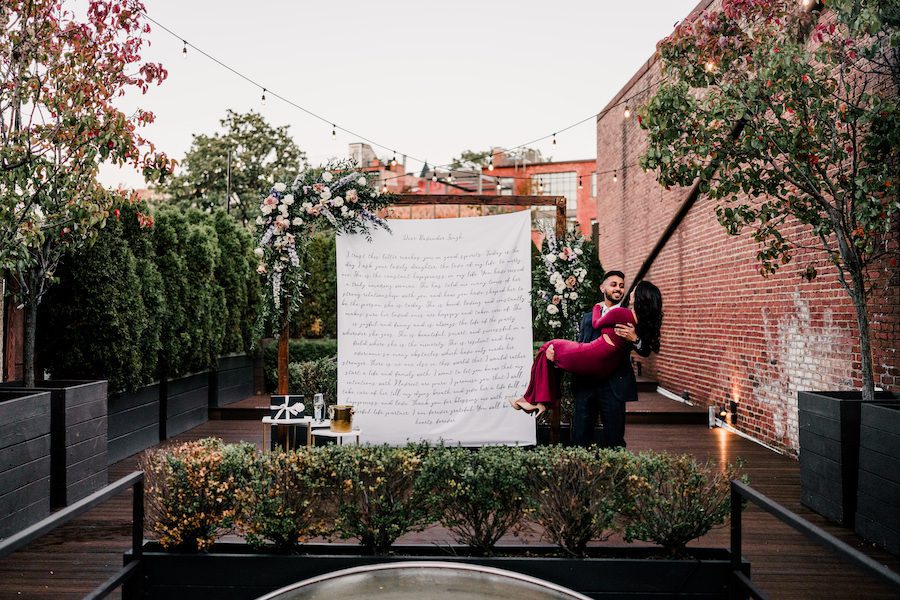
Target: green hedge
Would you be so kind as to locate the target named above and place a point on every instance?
(376, 494)
(147, 302)
(299, 351)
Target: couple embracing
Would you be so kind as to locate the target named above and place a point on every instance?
(600, 360)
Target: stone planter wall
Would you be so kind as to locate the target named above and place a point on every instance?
(829, 451)
(878, 494)
(24, 459)
(133, 422)
(235, 572)
(232, 380)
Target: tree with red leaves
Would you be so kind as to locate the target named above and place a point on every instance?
(61, 74)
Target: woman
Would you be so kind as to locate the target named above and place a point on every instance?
(598, 358)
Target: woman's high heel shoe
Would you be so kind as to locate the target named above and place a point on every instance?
(514, 402)
(534, 410)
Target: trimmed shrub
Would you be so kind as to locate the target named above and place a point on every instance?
(674, 499)
(191, 491)
(479, 495)
(282, 504)
(313, 377)
(317, 317)
(235, 273)
(377, 493)
(576, 493)
(298, 351)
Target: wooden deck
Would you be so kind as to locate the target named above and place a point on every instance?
(71, 561)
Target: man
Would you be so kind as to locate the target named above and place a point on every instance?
(606, 397)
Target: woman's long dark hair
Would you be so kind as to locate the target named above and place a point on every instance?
(648, 308)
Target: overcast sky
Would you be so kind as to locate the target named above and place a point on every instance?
(425, 78)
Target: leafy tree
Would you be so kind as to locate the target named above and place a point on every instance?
(785, 119)
(470, 159)
(61, 72)
(260, 154)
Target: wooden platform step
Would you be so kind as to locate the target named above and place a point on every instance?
(655, 408)
(646, 385)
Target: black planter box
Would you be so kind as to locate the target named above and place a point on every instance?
(184, 404)
(231, 381)
(24, 459)
(829, 451)
(78, 442)
(236, 572)
(878, 493)
(133, 422)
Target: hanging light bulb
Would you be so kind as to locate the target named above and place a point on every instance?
(333, 132)
(540, 186)
(184, 49)
(263, 99)
(434, 176)
(499, 187)
(384, 189)
(450, 177)
(394, 160)
(615, 176)
(627, 111)
(580, 187)
(491, 163)
(554, 139)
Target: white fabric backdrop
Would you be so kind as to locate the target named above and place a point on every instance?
(434, 330)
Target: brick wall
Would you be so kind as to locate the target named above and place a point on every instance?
(728, 332)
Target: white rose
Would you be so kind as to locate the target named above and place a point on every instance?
(351, 214)
(297, 221)
(283, 209)
(344, 210)
(361, 181)
(289, 199)
(578, 251)
(338, 201)
(280, 187)
(551, 308)
(307, 205)
(266, 209)
(260, 220)
(326, 194)
(327, 176)
(560, 287)
(258, 252)
(573, 296)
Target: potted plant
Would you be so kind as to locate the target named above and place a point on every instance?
(789, 122)
(283, 502)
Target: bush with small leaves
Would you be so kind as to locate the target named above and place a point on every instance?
(377, 495)
(191, 488)
(479, 495)
(674, 499)
(577, 493)
(283, 504)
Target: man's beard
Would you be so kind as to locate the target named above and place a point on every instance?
(612, 300)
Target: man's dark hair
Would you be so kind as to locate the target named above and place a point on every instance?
(609, 274)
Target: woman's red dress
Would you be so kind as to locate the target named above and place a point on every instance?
(598, 358)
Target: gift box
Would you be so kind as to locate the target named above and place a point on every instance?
(286, 406)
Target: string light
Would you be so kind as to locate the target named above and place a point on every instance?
(710, 66)
(627, 111)
(263, 99)
(580, 187)
(394, 160)
(450, 178)
(334, 126)
(499, 187)
(540, 186)
(615, 175)
(184, 49)
(434, 176)
(384, 189)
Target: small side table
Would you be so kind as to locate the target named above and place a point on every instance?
(292, 424)
(338, 436)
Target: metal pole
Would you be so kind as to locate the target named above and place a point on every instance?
(228, 184)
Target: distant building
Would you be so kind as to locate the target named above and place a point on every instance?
(523, 173)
